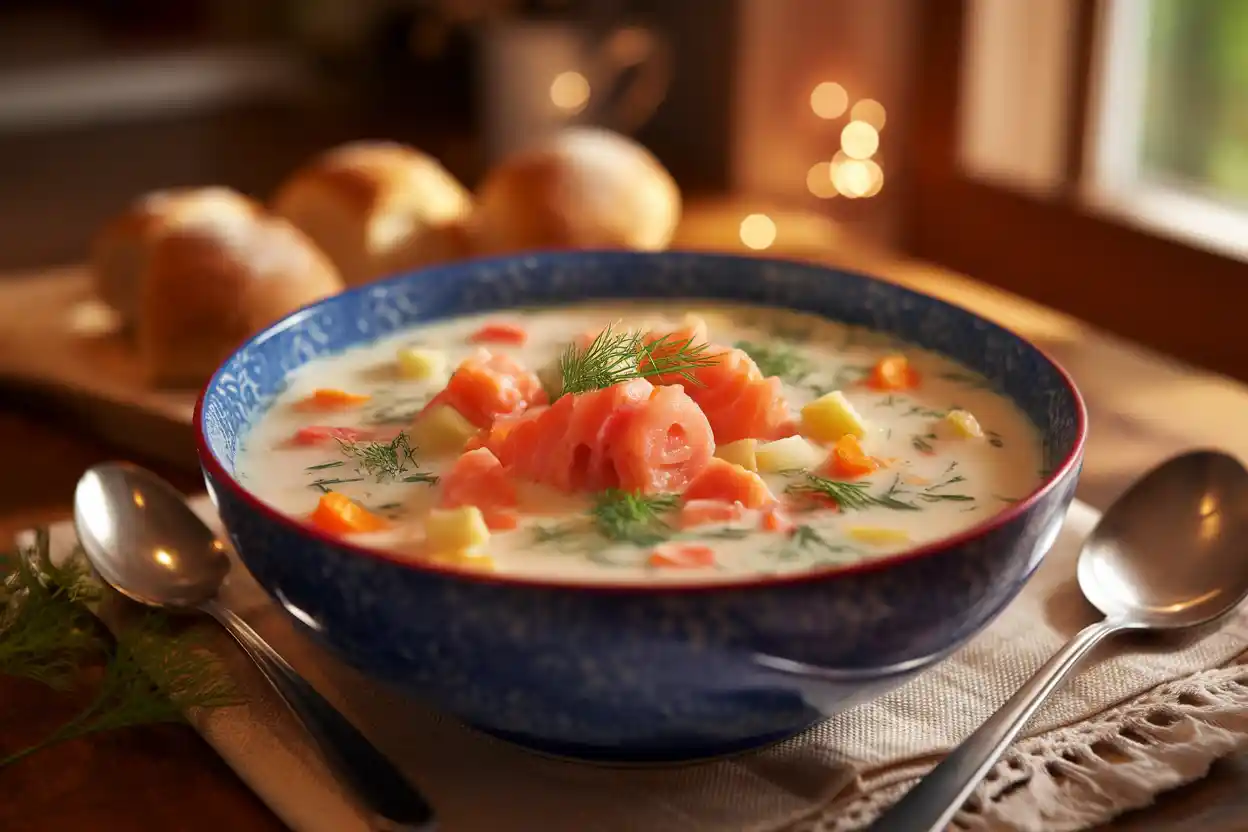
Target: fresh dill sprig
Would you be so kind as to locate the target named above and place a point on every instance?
(47, 634)
(806, 537)
(381, 460)
(323, 484)
(422, 477)
(321, 467)
(629, 517)
(850, 496)
(779, 359)
(614, 357)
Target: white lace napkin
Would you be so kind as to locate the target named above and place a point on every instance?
(1137, 721)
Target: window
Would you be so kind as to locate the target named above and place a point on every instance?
(1171, 127)
(1092, 155)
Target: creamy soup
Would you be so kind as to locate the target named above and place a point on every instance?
(759, 442)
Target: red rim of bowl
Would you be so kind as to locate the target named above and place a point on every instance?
(220, 476)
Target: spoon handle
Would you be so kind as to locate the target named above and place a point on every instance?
(932, 803)
(373, 778)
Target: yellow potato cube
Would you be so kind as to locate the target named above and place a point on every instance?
(878, 535)
(830, 417)
(964, 425)
(464, 560)
(792, 453)
(420, 363)
(451, 531)
(740, 453)
(441, 429)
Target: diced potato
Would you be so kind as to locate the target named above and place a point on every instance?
(450, 531)
(420, 363)
(791, 453)
(830, 417)
(465, 560)
(551, 378)
(964, 425)
(740, 453)
(878, 535)
(442, 429)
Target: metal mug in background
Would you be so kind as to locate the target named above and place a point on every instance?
(537, 77)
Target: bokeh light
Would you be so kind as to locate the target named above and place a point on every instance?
(829, 100)
(570, 92)
(819, 180)
(877, 177)
(852, 178)
(870, 111)
(758, 231)
(859, 140)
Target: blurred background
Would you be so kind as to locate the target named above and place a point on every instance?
(1091, 155)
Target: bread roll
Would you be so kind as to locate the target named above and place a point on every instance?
(377, 208)
(214, 281)
(585, 188)
(119, 252)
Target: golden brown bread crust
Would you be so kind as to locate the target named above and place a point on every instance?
(377, 208)
(209, 287)
(585, 188)
(120, 250)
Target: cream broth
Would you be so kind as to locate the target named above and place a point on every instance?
(933, 482)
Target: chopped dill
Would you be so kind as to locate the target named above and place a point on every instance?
(778, 359)
(422, 476)
(381, 460)
(925, 412)
(614, 357)
(929, 497)
(807, 537)
(400, 411)
(921, 444)
(324, 465)
(994, 439)
(850, 496)
(1006, 499)
(324, 484)
(629, 517)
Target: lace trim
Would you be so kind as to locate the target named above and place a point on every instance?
(1085, 774)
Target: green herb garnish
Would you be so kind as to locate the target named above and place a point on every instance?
(324, 484)
(324, 465)
(615, 357)
(921, 444)
(423, 477)
(807, 537)
(851, 496)
(629, 517)
(381, 460)
(778, 359)
(48, 635)
(994, 439)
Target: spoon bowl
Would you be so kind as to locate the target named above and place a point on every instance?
(1172, 552)
(146, 542)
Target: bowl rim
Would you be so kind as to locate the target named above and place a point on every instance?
(214, 468)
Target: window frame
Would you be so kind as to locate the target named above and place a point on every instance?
(1053, 244)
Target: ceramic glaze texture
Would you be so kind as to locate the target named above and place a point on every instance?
(642, 674)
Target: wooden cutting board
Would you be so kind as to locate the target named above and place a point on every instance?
(60, 346)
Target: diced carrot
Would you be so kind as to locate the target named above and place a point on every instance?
(722, 480)
(893, 372)
(776, 519)
(848, 459)
(324, 434)
(485, 387)
(704, 512)
(339, 514)
(499, 332)
(682, 556)
(328, 398)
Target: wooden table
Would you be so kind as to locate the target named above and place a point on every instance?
(1143, 406)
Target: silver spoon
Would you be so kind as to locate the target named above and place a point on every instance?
(1170, 554)
(144, 540)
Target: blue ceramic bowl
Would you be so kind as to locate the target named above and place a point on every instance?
(649, 673)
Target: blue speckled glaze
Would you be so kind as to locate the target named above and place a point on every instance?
(642, 674)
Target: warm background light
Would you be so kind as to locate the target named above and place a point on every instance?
(870, 111)
(852, 178)
(570, 92)
(819, 180)
(859, 140)
(829, 100)
(877, 177)
(758, 231)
